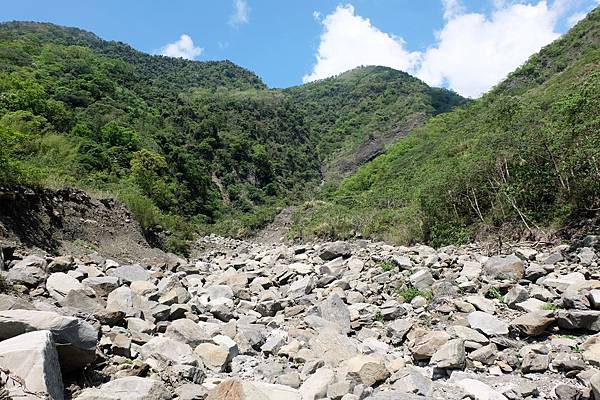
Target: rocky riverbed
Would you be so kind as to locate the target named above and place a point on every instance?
(251, 321)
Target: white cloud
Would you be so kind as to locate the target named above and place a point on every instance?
(349, 41)
(241, 14)
(452, 8)
(474, 52)
(183, 48)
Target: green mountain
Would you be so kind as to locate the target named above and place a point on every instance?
(186, 144)
(524, 156)
(355, 116)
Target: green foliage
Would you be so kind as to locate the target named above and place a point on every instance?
(202, 140)
(526, 154)
(550, 307)
(365, 107)
(378, 316)
(494, 293)
(387, 265)
(409, 293)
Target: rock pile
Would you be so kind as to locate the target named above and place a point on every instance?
(338, 321)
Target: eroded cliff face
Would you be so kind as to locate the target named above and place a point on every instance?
(69, 221)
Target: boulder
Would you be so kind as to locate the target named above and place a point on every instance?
(102, 285)
(486, 323)
(315, 386)
(336, 311)
(450, 355)
(187, 331)
(504, 267)
(32, 357)
(595, 385)
(412, 380)
(60, 284)
(164, 351)
(131, 387)
(332, 347)
(130, 273)
(234, 389)
(479, 390)
(532, 324)
(31, 271)
(334, 250)
(579, 319)
(367, 370)
(214, 356)
(76, 339)
(422, 279)
(423, 343)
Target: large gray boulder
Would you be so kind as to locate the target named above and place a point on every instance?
(131, 388)
(579, 319)
(336, 311)
(33, 358)
(130, 273)
(76, 339)
(504, 267)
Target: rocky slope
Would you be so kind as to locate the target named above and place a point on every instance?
(359, 320)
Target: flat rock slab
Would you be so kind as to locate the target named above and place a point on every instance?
(131, 388)
(488, 324)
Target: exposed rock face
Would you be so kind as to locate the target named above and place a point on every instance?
(334, 321)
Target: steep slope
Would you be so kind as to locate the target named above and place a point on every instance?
(356, 115)
(527, 154)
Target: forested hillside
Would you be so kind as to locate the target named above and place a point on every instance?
(527, 153)
(356, 115)
(182, 142)
(170, 137)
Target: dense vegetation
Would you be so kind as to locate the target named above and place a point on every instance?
(206, 145)
(185, 144)
(170, 137)
(356, 115)
(527, 154)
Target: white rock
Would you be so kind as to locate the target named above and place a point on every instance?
(32, 357)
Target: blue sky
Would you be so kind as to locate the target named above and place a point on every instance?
(466, 45)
